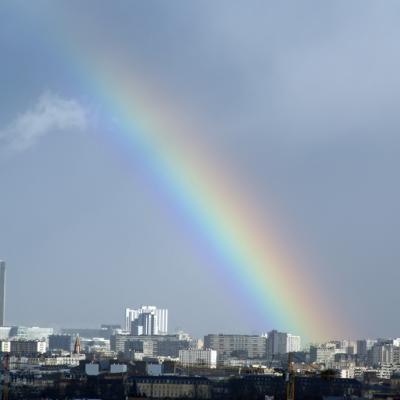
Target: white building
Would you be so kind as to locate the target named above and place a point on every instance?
(30, 332)
(382, 354)
(281, 343)
(322, 354)
(19, 362)
(5, 332)
(95, 345)
(148, 320)
(145, 324)
(293, 343)
(385, 371)
(396, 355)
(130, 315)
(347, 373)
(195, 357)
(5, 346)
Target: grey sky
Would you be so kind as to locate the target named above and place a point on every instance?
(301, 98)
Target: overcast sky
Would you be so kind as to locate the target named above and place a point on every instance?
(300, 98)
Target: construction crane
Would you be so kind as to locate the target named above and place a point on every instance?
(289, 379)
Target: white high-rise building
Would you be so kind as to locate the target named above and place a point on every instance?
(2, 291)
(382, 354)
(293, 343)
(322, 354)
(147, 320)
(282, 343)
(145, 324)
(130, 315)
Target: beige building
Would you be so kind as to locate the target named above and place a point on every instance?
(173, 387)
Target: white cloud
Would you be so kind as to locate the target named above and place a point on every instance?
(50, 114)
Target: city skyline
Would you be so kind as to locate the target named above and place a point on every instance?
(243, 178)
(276, 341)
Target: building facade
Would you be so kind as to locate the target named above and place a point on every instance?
(60, 342)
(172, 387)
(146, 320)
(279, 343)
(240, 346)
(322, 354)
(145, 324)
(157, 345)
(276, 343)
(27, 347)
(293, 343)
(30, 332)
(5, 332)
(5, 346)
(382, 354)
(197, 357)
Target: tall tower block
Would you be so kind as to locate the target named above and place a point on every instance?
(2, 291)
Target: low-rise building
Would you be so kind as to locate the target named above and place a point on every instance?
(23, 347)
(25, 363)
(161, 387)
(151, 346)
(30, 332)
(192, 357)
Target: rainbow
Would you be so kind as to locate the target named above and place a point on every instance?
(228, 223)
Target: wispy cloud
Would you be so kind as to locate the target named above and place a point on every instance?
(52, 113)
